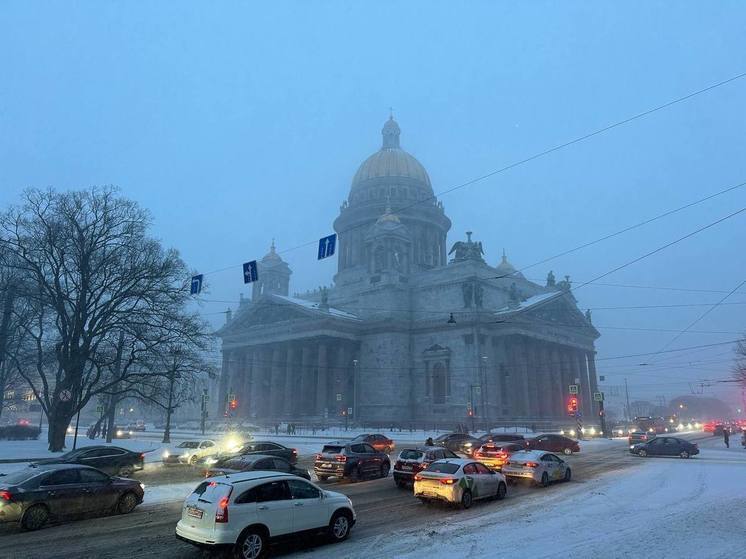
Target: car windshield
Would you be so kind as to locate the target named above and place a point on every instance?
(189, 444)
(443, 468)
(410, 455)
(360, 437)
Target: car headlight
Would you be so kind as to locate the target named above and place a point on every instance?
(120, 433)
(166, 454)
(131, 433)
(142, 486)
(467, 445)
(572, 432)
(593, 431)
(562, 431)
(210, 460)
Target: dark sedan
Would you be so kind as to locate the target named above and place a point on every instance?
(251, 462)
(553, 443)
(413, 460)
(351, 460)
(501, 438)
(267, 448)
(112, 460)
(666, 446)
(38, 493)
(459, 442)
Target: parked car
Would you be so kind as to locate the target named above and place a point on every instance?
(111, 460)
(350, 460)
(553, 443)
(247, 511)
(501, 437)
(251, 462)
(459, 442)
(269, 448)
(666, 446)
(495, 455)
(459, 481)
(139, 425)
(380, 442)
(39, 493)
(636, 437)
(188, 452)
(537, 465)
(414, 460)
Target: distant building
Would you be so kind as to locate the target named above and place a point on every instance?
(409, 331)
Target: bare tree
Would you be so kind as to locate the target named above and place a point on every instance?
(90, 272)
(739, 368)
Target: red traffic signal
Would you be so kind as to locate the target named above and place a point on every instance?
(233, 404)
(572, 404)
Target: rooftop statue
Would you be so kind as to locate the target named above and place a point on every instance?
(468, 250)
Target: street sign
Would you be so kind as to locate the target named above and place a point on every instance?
(99, 409)
(250, 273)
(598, 396)
(327, 246)
(339, 397)
(573, 389)
(196, 287)
(66, 395)
(349, 411)
(231, 397)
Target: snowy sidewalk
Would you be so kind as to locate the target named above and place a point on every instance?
(663, 507)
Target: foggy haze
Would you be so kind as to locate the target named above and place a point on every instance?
(237, 129)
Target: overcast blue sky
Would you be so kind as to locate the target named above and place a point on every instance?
(236, 122)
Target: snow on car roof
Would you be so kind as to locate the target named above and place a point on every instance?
(527, 455)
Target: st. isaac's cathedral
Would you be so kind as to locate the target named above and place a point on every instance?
(411, 331)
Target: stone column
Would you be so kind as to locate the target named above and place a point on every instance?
(566, 379)
(520, 367)
(277, 382)
(290, 394)
(238, 382)
(223, 388)
(557, 401)
(254, 382)
(532, 378)
(322, 382)
(305, 398)
(547, 382)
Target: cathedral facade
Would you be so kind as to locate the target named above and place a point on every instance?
(409, 332)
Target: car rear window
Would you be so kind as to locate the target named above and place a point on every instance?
(443, 468)
(18, 477)
(329, 449)
(410, 455)
(212, 491)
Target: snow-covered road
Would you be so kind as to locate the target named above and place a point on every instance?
(663, 507)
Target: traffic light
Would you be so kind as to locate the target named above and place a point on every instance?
(233, 404)
(572, 404)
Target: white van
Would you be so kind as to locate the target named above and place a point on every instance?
(247, 510)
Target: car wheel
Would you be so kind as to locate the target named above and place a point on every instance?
(567, 451)
(251, 545)
(35, 517)
(357, 474)
(642, 453)
(568, 474)
(126, 503)
(466, 499)
(126, 471)
(385, 469)
(339, 526)
(323, 478)
(424, 501)
(544, 479)
(192, 460)
(502, 490)
(684, 454)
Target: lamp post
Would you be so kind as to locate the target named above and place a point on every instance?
(472, 407)
(354, 391)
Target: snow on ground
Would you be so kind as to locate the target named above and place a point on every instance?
(157, 494)
(663, 507)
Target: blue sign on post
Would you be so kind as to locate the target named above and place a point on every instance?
(196, 287)
(327, 246)
(249, 272)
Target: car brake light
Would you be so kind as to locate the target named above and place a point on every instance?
(142, 456)
(418, 477)
(340, 458)
(532, 465)
(448, 481)
(221, 514)
(6, 496)
(295, 451)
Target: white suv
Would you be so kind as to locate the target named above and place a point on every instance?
(246, 510)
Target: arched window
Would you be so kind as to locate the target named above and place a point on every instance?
(439, 384)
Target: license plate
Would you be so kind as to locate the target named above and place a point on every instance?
(326, 465)
(195, 512)
(407, 468)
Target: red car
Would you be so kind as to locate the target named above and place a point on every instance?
(380, 442)
(553, 443)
